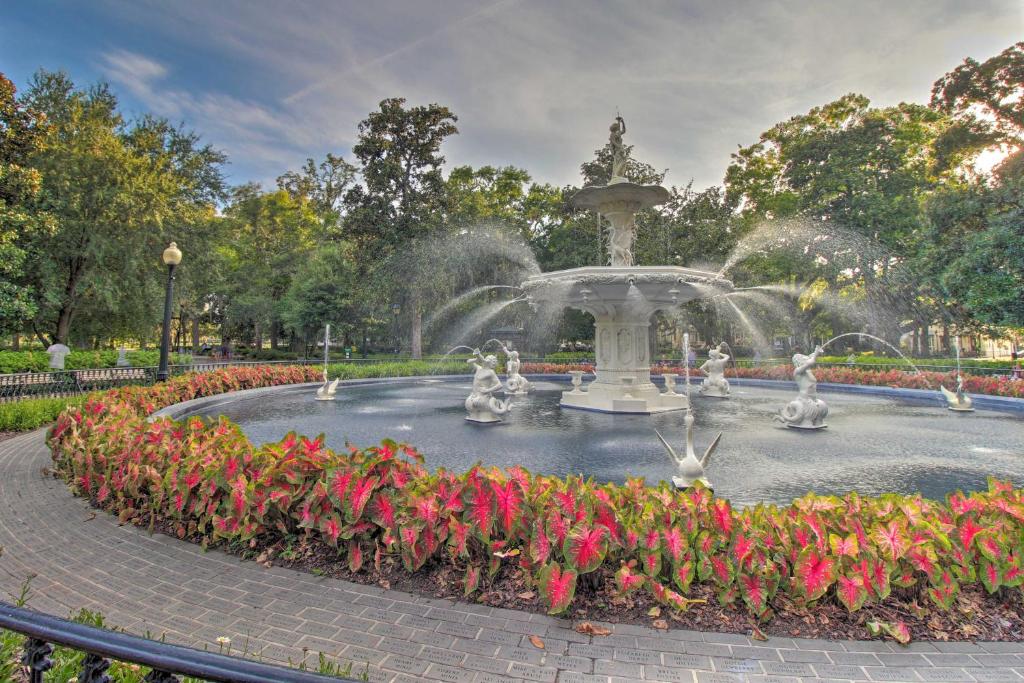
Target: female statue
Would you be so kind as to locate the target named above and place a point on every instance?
(715, 383)
(618, 129)
(482, 406)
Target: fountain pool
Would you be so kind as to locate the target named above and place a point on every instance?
(875, 444)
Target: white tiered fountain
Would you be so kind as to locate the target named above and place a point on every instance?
(623, 297)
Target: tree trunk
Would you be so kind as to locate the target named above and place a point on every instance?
(258, 334)
(195, 334)
(16, 342)
(64, 324)
(275, 332)
(417, 331)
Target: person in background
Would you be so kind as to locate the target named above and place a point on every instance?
(1017, 373)
(757, 356)
(691, 358)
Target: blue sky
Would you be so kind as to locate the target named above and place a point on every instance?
(535, 83)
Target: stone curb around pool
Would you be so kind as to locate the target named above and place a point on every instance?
(156, 584)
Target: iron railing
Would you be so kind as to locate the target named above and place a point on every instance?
(165, 661)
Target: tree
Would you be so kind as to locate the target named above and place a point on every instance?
(323, 186)
(22, 130)
(117, 194)
(269, 236)
(323, 291)
(403, 195)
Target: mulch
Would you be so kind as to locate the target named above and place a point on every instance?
(976, 615)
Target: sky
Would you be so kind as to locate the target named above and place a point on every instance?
(534, 83)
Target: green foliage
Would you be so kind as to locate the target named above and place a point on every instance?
(39, 361)
(32, 413)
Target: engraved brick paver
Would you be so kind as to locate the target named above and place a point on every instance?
(163, 586)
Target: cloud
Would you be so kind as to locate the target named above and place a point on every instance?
(535, 83)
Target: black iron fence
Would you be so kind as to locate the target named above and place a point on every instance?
(165, 662)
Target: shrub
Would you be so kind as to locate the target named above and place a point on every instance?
(39, 361)
(31, 413)
(210, 481)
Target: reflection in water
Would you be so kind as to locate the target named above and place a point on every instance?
(873, 444)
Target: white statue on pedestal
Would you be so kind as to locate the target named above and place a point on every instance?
(516, 385)
(958, 401)
(691, 469)
(806, 411)
(482, 406)
(617, 130)
(327, 391)
(715, 383)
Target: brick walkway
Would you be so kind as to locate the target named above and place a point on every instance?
(159, 585)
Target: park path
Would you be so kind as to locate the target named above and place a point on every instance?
(163, 587)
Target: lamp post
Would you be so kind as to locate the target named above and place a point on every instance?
(172, 257)
(396, 309)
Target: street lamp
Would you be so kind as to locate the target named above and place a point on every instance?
(172, 257)
(396, 309)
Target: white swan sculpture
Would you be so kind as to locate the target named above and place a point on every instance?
(691, 469)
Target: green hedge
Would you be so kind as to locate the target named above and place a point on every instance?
(39, 361)
(30, 413)
(869, 359)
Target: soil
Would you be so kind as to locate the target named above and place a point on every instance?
(975, 615)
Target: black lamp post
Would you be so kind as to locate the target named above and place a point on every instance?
(172, 257)
(396, 309)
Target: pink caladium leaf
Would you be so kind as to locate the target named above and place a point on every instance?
(674, 544)
(585, 547)
(898, 631)
(557, 587)
(944, 589)
(851, 591)
(892, 540)
(509, 504)
(844, 546)
(754, 591)
(355, 556)
(815, 572)
(471, 580)
(627, 581)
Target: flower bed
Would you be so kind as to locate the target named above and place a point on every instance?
(380, 505)
(976, 384)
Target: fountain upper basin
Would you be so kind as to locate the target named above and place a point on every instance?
(604, 290)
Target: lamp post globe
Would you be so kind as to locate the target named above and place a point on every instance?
(171, 258)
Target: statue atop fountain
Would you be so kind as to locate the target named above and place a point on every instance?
(516, 384)
(622, 296)
(806, 411)
(715, 384)
(482, 406)
(691, 468)
(617, 130)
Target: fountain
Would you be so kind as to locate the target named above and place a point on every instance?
(715, 383)
(481, 405)
(958, 401)
(622, 297)
(806, 411)
(328, 389)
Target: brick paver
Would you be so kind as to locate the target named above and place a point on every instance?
(157, 585)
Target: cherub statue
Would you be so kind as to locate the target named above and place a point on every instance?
(715, 384)
(482, 406)
(806, 411)
(517, 385)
